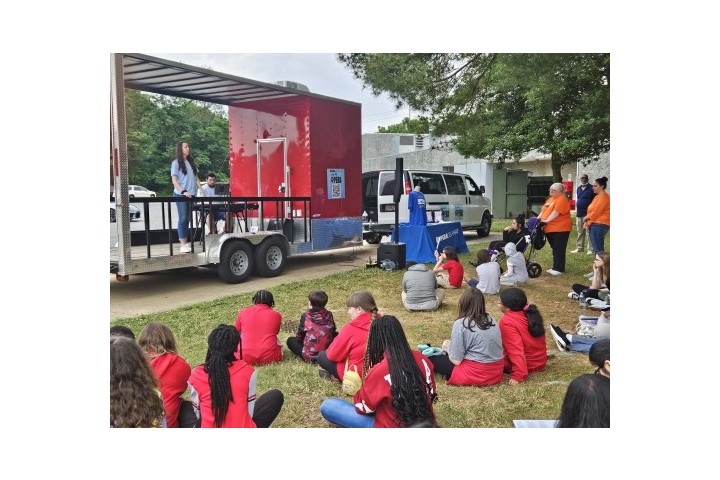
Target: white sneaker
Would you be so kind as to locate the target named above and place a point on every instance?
(590, 252)
(573, 295)
(554, 272)
(185, 248)
(577, 250)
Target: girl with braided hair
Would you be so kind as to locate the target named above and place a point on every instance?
(134, 398)
(350, 343)
(398, 387)
(523, 335)
(259, 326)
(223, 389)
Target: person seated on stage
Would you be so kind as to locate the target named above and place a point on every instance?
(215, 220)
(517, 269)
(452, 265)
(488, 281)
(316, 330)
(419, 288)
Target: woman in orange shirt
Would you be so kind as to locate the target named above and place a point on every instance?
(555, 216)
(597, 220)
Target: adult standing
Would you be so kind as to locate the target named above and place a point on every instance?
(597, 220)
(584, 197)
(184, 174)
(555, 216)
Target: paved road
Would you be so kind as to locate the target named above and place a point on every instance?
(160, 291)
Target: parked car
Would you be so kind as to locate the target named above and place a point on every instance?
(134, 213)
(138, 191)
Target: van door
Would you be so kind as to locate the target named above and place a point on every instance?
(460, 207)
(386, 206)
(477, 202)
(370, 195)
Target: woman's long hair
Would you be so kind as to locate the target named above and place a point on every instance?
(516, 300)
(156, 339)
(586, 403)
(364, 300)
(411, 394)
(222, 344)
(134, 399)
(605, 257)
(471, 308)
(181, 160)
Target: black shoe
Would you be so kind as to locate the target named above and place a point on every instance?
(325, 374)
(560, 338)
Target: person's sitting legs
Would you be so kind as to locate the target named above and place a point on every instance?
(339, 412)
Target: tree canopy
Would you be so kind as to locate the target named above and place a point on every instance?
(501, 106)
(156, 123)
(408, 125)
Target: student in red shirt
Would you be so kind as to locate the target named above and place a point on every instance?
(398, 389)
(452, 265)
(259, 326)
(223, 389)
(350, 343)
(523, 335)
(158, 344)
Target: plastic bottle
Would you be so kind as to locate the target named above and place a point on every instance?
(583, 300)
(364, 216)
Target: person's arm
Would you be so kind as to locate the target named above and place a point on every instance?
(300, 334)
(438, 266)
(252, 392)
(194, 399)
(339, 348)
(515, 353)
(179, 187)
(457, 348)
(552, 216)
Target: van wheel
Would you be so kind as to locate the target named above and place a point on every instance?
(236, 263)
(534, 270)
(484, 229)
(270, 258)
(373, 238)
(112, 215)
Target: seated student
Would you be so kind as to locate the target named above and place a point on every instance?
(419, 288)
(579, 343)
(158, 344)
(223, 389)
(452, 265)
(349, 345)
(600, 286)
(135, 401)
(398, 387)
(475, 350)
(599, 356)
(259, 326)
(516, 233)
(586, 403)
(122, 331)
(523, 335)
(316, 330)
(517, 268)
(488, 281)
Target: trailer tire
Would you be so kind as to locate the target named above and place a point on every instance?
(236, 262)
(373, 238)
(270, 258)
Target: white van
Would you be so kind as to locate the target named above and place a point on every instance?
(455, 196)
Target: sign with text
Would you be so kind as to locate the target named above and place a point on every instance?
(336, 183)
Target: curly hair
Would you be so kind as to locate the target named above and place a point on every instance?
(412, 397)
(134, 398)
(222, 345)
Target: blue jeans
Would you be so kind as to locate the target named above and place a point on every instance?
(597, 236)
(183, 209)
(343, 414)
(582, 344)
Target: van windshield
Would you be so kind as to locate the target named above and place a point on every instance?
(430, 183)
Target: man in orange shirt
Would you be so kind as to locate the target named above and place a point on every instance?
(555, 216)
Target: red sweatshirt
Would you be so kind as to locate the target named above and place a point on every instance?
(243, 386)
(173, 372)
(351, 341)
(259, 326)
(524, 353)
(375, 396)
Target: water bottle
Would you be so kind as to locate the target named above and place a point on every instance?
(583, 300)
(364, 216)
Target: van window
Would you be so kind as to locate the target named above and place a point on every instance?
(472, 187)
(455, 185)
(370, 186)
(430, 183)
(387, 183)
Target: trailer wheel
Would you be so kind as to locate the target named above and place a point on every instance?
(484, 229)
(236, 263)
(270, 258)
(534, 270)
(112, 215)
(373, 238)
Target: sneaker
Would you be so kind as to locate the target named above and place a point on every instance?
(185, 248)
(554, 272)
(573, 296)
(590, 252)
(560, 338)
(325, 374)
(577, 250)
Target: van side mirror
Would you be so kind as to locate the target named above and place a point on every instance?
(482, 189)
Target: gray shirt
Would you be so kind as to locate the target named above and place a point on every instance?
(488, 278)
(482, 346)
(419, 286)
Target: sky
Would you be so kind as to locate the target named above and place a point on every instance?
(320, 72)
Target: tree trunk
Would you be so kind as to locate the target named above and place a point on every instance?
(556, 164)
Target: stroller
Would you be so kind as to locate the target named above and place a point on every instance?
(535, 242)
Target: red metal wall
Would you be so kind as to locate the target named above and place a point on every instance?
(321, 134)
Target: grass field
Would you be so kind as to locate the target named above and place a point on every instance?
(539, 397)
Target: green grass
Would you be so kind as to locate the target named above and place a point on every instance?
(539, 397)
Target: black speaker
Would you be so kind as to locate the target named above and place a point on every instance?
(392, 251)
(399, 180)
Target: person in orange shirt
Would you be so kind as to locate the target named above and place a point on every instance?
(555, 217)
(597, 220)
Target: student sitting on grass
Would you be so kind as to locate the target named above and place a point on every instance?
(488, 281)
(259, 326)
(586, 403)
(455, 270)
(316, 330)
(517, 269)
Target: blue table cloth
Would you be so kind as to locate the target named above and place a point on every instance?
(422, 241)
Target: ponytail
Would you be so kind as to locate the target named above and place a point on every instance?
(535, 321)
